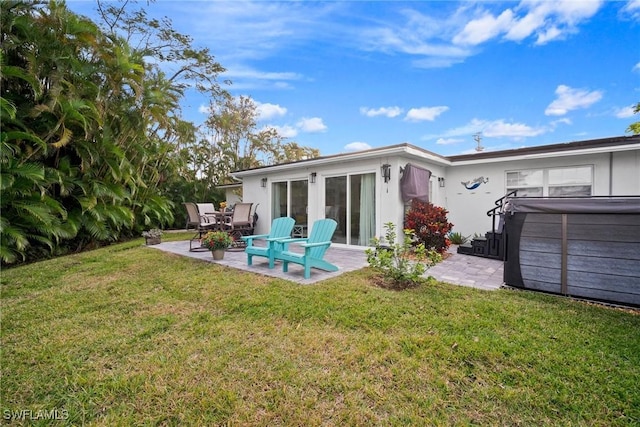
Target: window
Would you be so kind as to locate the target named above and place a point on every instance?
(554, 182)
(529, 183)
(570, 182)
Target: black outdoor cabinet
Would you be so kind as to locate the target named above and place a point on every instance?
(582, 247)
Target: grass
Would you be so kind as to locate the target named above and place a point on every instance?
(126, 335)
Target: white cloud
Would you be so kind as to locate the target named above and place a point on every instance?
(357, 146)
(425, 113)
(549, 34)
(625, 112)
(637, 66)
(499, 128)
(448, 141)
(484, 28)
(285, 131)
(491, 128)
(244, 78)
(632, 8)
(245, 72)
(550, 20)
(267, 111)
(563, 121)
(382, 111)
(525, 26)
(311, 125)
(433, 62)
(546, 20)
(252, 30)
(427, 38)
(204, 109)
(571, 99)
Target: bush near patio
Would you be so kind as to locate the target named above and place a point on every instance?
(430, 225)
(122, 336)
(400, 264)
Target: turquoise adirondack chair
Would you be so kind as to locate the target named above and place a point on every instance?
(281, 228)
(314, 246)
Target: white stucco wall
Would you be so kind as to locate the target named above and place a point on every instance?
(389, 206)
(467, 208)
(615, 172)
(233, 195)
(626, 173)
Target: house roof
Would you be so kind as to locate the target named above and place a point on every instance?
(227, 186)
(593, 146)
(404, 149)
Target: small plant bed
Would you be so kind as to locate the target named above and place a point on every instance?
(429, 224)
(400, 265)
(153, 236)
(457, 238)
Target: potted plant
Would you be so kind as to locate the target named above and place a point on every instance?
(153, 236)
(217, 242)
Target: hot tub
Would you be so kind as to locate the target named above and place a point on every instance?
(582, 247)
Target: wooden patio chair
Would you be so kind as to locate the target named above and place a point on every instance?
(315, 246)
(241, 222)
(281, 228)
(201, 223)
(209, 211)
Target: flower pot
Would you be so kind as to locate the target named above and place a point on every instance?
(153, 240)
(218, 254)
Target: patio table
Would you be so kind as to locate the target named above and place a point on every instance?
(219, 218)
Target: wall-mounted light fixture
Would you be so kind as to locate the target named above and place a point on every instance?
(385, 170)
(440, 181)
(263, 182)
(312, 177)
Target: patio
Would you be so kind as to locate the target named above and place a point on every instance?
(457, 269)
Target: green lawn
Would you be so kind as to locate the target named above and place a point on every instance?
(126, 335)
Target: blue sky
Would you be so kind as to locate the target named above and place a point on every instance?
(347, 75)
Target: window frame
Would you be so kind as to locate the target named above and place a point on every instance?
(547, 186)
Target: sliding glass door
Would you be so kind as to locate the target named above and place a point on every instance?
(336, 205)
(350, 200)
(290, 198)
(279, 197)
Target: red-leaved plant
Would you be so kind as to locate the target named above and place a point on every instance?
(430, 225)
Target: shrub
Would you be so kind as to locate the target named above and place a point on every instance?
(402, 265)
(457, 238)
(430, 225)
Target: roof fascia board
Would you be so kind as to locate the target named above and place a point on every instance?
(426, 155)
(395, 150)
(533, 156)
(406, 150)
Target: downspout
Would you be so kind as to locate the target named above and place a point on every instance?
(610, 173)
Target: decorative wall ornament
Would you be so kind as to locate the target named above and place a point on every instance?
(475, 183)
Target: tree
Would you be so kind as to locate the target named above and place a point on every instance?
(634, 128)
(237, 144)
(90, 126)
(173, 66)
(48, 124)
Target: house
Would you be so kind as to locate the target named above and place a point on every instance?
(232, 192)
(364, 190)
